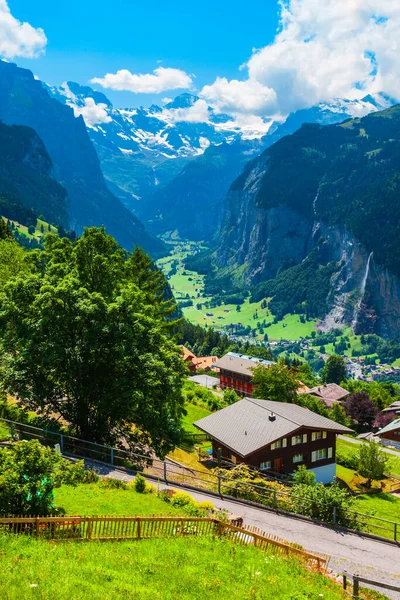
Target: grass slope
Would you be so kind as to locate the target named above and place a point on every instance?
(183, 568)
(93, 499)
(350, 449)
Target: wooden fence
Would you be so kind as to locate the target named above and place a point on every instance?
(111, 528)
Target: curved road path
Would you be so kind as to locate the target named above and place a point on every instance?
(373, 559)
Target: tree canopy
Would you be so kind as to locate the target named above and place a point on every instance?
(360, 408)
(276, 382)
(334, 370)
(81, 339)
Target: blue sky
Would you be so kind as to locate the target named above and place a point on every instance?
(293, 53)
(90, 38)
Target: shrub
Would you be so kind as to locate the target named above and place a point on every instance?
(113, 484)
(181, 499)
(346, 460)
(206, 505)
(139, 484)
(301, 475)
(27, 479)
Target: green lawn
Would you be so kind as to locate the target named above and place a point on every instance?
(93, 499)
(182, 568)
(194, 413)
(350, 449)
(384, 506)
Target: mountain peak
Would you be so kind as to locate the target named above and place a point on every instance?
(183, 101)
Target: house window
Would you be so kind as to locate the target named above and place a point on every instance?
(284, 443)
(297, 439)
(233, 459)
(277, 444)
(321, 454)
(316, 435)
(298, 458)
(265, 465)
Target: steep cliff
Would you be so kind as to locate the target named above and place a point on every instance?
(314, 224)
(27, 186)
(24, 101)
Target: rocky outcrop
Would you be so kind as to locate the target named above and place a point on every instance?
(276, 217)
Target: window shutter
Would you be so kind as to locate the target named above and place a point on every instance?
(330, 451)
(304, 438)
(313, 456)
(324, 435)
(284, 443)
(313, 436)
(293, 440)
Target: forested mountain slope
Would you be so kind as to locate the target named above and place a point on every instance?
(27, 186)
(314, 222)
(24, 101)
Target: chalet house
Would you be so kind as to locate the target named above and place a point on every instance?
(235, 372)
(390, 435)
(274, 436)
(393, 409)
(194, 363)
(329, 393)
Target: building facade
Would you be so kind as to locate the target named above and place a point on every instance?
(390, 435)
(274, 436)
(236, 372)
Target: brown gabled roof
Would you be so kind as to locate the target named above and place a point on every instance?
(205, 362)
(187, 354)
(329, 393)
(246, 426)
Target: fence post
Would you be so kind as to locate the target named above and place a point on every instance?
(356, 586)
(275, 500)
(62, 443)
(219, 485)
(138, 528)
(112, 455)
(219, 456)
(395, 531)
(345, 580)
(165, 470)
(334, 515)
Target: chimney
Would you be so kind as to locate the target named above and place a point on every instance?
(272, 416)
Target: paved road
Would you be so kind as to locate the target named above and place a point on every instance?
(373, 559)
(355, 441)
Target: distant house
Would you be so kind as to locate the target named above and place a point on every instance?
(235, 372)
(274, 436)
(393, 409)
(194, 362)
(329, 393)
(207, 363)
(189, 358)
(390, 435)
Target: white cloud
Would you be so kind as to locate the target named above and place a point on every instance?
(197, 113)
(93, 114)
(166, 100)
(343, 48)
(159, 81)
(236, 96)
(17, 38)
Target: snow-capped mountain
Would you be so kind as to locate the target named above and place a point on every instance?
(141, 150)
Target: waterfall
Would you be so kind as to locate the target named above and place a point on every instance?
(362, 291)
(316, 225)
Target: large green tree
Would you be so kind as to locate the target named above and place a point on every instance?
(81, 339)
(276, 382)
(371, 462)
(334, 370)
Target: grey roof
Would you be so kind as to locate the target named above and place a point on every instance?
(391, 427)
(245, 427)
(204, 380)
(241, 363)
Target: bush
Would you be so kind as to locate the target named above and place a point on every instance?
(346, 460)
(113, 484)
(181, 499)
(139, 484)
(27, 479)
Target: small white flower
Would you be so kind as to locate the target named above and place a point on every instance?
(33, 585)
(258, 572)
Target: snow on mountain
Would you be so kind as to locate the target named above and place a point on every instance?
(143, 149)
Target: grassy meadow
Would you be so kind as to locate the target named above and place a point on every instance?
(184, 568)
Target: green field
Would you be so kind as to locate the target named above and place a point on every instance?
(194, 413)
(350, 449)
(157, 569)
(93, 499)
(38, 233)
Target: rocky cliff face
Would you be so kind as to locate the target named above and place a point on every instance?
(24, 101)
(325, 190)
